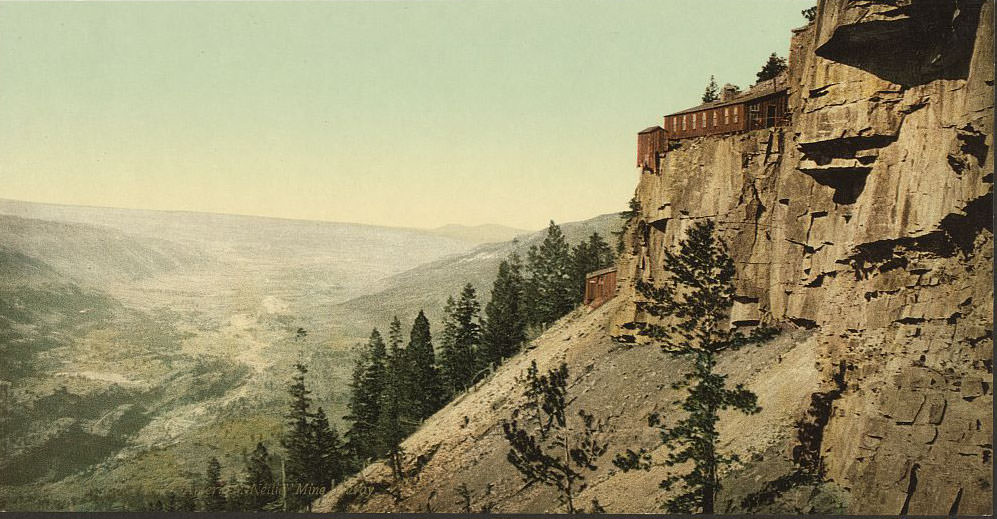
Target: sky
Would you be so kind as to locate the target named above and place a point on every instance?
(412, 113)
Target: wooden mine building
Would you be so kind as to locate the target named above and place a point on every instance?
(600, 286)
(763, 106)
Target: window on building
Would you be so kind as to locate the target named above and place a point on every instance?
(714, 118)
(683, 123)
(695, 117)
(736, 111)
(704, 119)
(726, 115)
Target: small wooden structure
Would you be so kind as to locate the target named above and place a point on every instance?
(600, 286)
(651, 144)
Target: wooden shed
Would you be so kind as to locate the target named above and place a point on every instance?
(600, 286)
(651, 144)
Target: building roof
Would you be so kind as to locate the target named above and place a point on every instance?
(651, 129)
(600, 272)
(765, 88)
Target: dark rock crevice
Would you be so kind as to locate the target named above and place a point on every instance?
(937, 36)
(842, 164)
(911, 488)
(956, 234)
(810, 429)
(847, 183)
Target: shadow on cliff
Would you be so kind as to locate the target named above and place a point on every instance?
(936, 38)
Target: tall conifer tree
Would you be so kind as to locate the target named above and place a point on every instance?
(423, 375)
(461, 337)
(772, 68)
(298, 439)
(394, 422)
(365, 399)
(712, 92)
(504, 327)
(550, 288)
(694, 303)
(259, 481)
(329, 459)
(214, 497)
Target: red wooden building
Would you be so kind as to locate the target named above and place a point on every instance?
(600, 286)
(763, 106)
(651, 144)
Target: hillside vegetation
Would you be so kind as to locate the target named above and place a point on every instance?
(138, 344)
(134, 345)
(462, 444)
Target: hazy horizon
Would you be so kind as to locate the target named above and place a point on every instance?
(248, 215)
(401, 114)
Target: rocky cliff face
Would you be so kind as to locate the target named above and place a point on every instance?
(862, 229)
(867, 221)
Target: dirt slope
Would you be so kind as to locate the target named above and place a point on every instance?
(463, 443)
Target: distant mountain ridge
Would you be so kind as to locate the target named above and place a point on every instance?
(480, 234)
(354, 255)
(427, 286)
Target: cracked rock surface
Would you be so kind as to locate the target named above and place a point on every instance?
(868, 221)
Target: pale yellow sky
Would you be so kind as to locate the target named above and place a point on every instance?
(413, 114)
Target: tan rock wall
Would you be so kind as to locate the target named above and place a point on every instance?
(867, 219)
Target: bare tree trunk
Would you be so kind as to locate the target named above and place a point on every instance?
(283, 486)
(567, 477)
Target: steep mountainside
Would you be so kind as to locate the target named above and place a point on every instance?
(862, 229)
(462, 444)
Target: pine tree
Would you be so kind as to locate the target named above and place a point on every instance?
(394, 422)
(810, 13)
(214, 498)
(397, 388)
(589, 256)
(633, 210)
(395, 341)
(694, 304)
(424, 377)
(369, 377)
(550, 288)
(547, 448)
(712, 92)
(298, 439)
(329, 458)
(449, 371)
(258, 480)
(504, 327)
(461, 337)
(772, 68)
